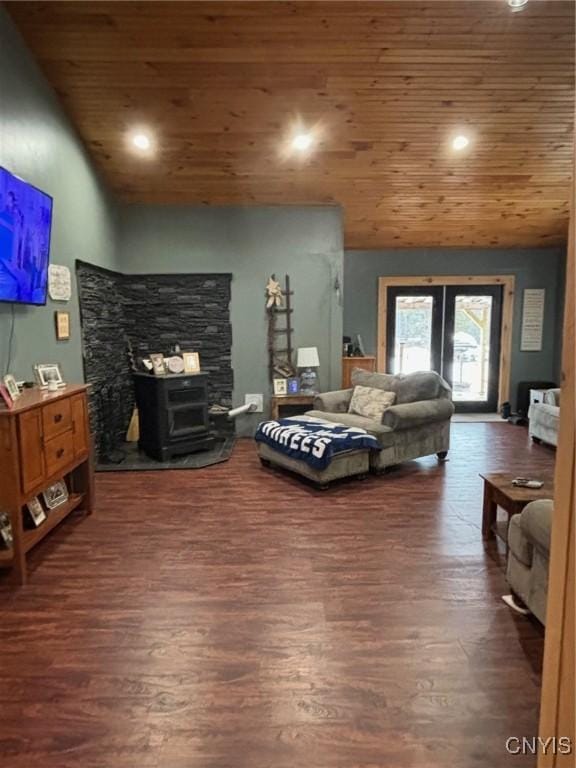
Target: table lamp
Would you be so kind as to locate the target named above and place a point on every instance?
(308, 360)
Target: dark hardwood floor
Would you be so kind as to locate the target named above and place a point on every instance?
(233, 617)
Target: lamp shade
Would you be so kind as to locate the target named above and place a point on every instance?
(308, 357)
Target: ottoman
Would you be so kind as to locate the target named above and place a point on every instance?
(346, 464)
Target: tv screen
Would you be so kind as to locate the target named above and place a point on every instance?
(25, 224)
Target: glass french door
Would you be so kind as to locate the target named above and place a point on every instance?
(414, 326)
(454, 330)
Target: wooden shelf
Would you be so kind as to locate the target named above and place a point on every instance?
(53, 518)
(35, 535)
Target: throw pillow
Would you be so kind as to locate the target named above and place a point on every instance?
(370, 402)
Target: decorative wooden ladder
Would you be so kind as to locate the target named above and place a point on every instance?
(280, 357)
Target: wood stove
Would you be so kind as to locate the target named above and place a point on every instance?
(173, 414)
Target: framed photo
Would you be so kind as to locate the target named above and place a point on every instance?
(280, 387)
(11, 387)
(49, 373)
(293, 386)
(62, 320)
(5, 396)
(5, 531)
(191, 362)
(36, 511)
(55, 495)
(157, 360)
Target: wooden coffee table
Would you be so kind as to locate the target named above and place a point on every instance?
(499, 492)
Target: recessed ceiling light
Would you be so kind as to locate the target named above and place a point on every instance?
(141, 141)
(302, 141)
(460, 142)
(517, 5)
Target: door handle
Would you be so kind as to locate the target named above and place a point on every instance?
(58, 418)
(60, 453)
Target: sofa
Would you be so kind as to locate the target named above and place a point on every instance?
(544, 418)
(529, 555)
(416, 425)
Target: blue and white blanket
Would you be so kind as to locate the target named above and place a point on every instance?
(312, 440)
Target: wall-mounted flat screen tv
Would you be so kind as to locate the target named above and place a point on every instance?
(25, 226)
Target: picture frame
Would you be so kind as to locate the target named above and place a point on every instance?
(62, 322)
(11, 387)
(6, 397)
(191, 362)
(55, 495)
(158, 367)
(293, 386)
(6, 538)
(36, 511)
(280, 387)
(48, 373)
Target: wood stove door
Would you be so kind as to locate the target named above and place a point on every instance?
(186, 421)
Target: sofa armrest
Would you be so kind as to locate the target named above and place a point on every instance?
(411, 415)
(333, 402)
(552, 397)
(536, 522)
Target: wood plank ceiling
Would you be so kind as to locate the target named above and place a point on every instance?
(384, 85)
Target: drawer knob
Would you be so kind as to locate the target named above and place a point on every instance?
(58, 418)
(60, 453)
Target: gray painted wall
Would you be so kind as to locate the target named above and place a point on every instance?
(251, 243)
(533, 268)
(38, 144)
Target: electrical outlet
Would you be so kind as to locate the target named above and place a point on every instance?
(257, 400)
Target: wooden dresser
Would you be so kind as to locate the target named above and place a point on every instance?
(349, 363)
(44, 437)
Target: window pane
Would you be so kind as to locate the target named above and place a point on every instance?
(413, 337)
(471, 362)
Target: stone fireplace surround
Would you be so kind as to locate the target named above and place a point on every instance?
(151, 313)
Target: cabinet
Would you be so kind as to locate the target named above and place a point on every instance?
(349, 363)
(44, 437)
(30, 444)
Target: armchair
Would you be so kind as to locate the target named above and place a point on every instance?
(418, 424)
(544, 418)
(529, 555)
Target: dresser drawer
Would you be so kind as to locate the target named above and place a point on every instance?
(56, 418)
(59, 452)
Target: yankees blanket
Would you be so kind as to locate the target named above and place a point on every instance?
(313, 440)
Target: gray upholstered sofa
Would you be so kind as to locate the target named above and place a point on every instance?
(544, 418)
(418, 424)
(529, 555)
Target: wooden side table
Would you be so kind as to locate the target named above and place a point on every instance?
(290, 405)
(367, 363)
(499, 492)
